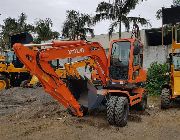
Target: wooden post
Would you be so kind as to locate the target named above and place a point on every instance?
(162, 30)
(162, 35)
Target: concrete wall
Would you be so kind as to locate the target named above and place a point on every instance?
(155, 53)
(151, 53)
(104, 38)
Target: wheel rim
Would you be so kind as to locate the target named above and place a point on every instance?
(2, 84)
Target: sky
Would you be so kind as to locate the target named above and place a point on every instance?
(56, 10)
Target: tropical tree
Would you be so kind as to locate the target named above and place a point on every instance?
(117, 12)
(55, 35)
(13, 26)
(176, 2)
(44, 31)
(22, 25)
(77, 24)
(9, 26)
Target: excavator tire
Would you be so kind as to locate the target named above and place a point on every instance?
(121, 111)
(111, 109)
(141, 106)
(165, 98)
(4, 82)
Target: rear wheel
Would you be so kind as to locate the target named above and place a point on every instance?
(4, 82)
(117, 111)
(121, 111)
(165, 98)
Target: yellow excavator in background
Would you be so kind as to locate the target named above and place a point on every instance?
(69, 70)
(12, 71)
(171, 91)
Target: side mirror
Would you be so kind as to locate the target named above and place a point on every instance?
(168, 60)
(136, 50)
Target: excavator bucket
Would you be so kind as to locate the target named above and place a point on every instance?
(86, 93)
(95, 98)
(91, 98)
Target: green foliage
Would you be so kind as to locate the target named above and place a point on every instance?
(77, 24)
(156, 77)
(44, 31)
(159, 14)
(176, 2)
(117, 12)
(12, 26)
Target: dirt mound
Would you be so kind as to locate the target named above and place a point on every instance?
(28, 103)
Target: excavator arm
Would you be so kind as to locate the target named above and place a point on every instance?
(38, 64)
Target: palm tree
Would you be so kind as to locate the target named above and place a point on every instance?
(13, 26)
(9, 26)
(43, 29)
(76, 24)
(176, 2)
(117, 12)
(22, 25)
(55, 35)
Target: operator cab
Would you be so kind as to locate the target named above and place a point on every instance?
(126, 62)
(10, 56)
(119, 60)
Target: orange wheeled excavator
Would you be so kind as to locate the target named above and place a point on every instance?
(121, 75)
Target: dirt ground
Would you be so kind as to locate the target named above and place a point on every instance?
(31, 114)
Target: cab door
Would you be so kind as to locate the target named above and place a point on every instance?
(137, 61)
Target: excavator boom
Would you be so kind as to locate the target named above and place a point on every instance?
(38, 64)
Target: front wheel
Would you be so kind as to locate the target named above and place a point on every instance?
(117, 111)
